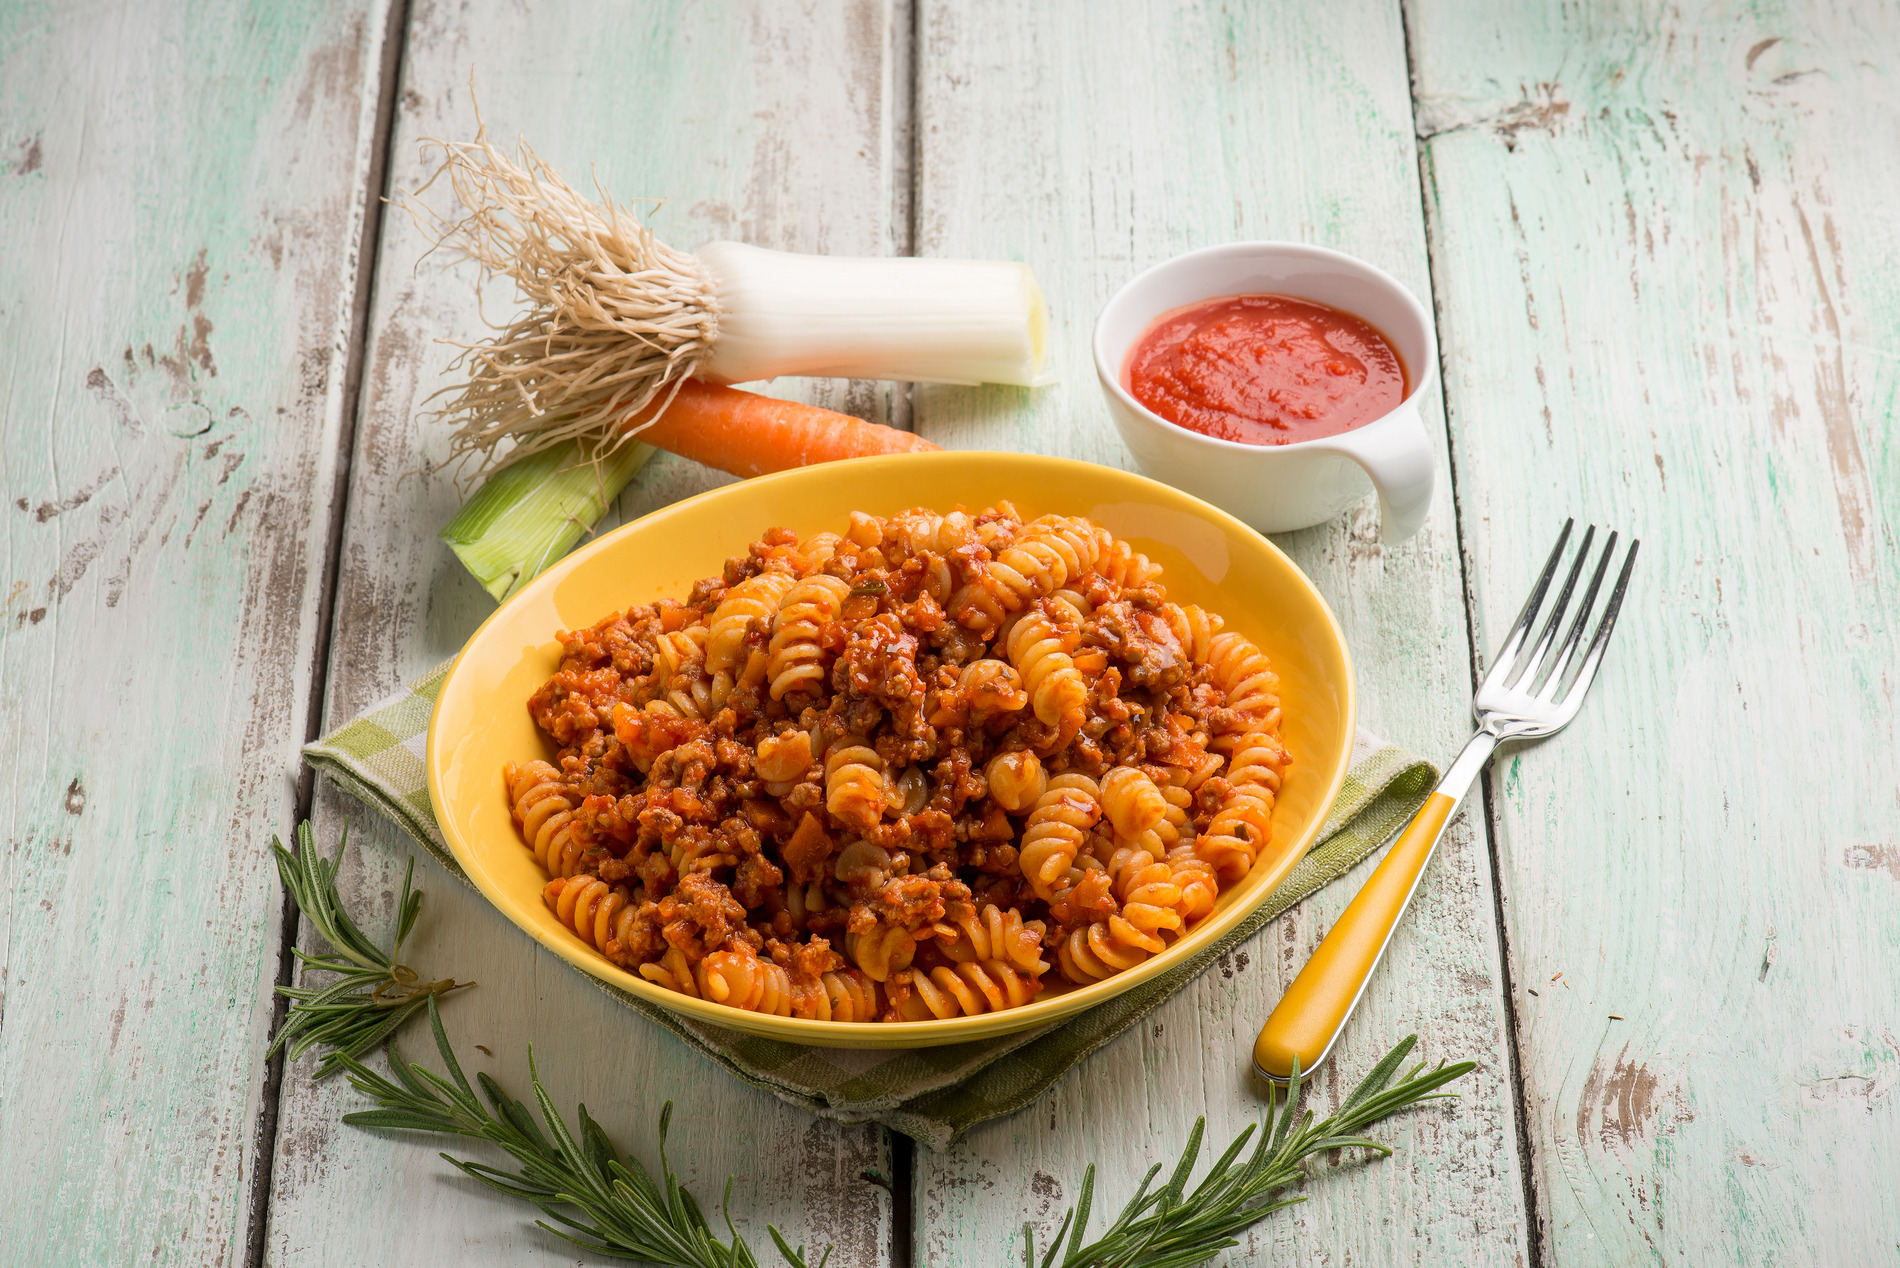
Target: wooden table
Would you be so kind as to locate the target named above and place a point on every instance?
(1662, 247)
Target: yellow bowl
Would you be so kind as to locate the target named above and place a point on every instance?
(1209, 557)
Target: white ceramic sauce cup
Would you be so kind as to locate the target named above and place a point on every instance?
(1277, 488)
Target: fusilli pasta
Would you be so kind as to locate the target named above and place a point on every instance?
(1039, 645)
(796, 661)
(545, 816)
(929, 766)
(1057, 830)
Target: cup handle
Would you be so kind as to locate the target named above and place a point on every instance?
(1400, 461)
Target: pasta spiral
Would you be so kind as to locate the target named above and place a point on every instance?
(1097, 550)
(1175, 826)
(545, 816)
(1122, 564)
(699, 852)
(673, 972)
(1191, 777)
(1246, 678)
(1197, 882)
(819, 549)
(1149, 895)
(864, 530)
(679, 659)
(1016, 779)
(603, 915)
(882, 950)
(967, 990)
(1057, 830)
(1037, 564)
(1103, 949)
(1040, 648)
(921, 531)
(1001, 527)
(796, 662)
(738, 978)
(864, 866)
(750, 604)
(1244, 822)
(802, 902)
(989, 688)
(995, 934)
(846, 995)
(1149, 899)
(978, 605)
(908, 790)
(782, 760)
(1074, 538)
(1193, 629)
(1135, 806)
(940, 580)
(855, 790)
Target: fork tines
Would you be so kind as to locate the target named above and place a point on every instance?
(1531, 667)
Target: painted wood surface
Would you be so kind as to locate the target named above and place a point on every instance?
(1666, 273)
(1662, 256)
(771, 123)
(1093, 140)
(179, 194)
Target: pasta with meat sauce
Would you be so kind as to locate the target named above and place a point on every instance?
(923, 768)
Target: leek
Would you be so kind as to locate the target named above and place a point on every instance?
(526, 515)
(613, 320)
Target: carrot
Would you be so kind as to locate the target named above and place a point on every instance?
(748, 434)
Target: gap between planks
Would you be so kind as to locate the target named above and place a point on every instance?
(906, 218)
(368, 249)
(1507, 985)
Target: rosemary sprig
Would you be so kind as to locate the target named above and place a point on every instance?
(374, 993)
(1173, 1228)
(624, 1212)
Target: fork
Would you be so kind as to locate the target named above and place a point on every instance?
(1530, 692)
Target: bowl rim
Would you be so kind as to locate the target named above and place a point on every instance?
(892, 1035)
(1343, 263)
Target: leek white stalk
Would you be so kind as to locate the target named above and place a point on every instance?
(909, 319)
(614, 319)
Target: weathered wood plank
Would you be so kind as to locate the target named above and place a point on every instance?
(1668, 272)
(765, 122)
(180, 193)
(1092, 141)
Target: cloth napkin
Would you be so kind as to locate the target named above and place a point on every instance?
(933, 1095)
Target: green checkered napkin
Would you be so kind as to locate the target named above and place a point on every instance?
(930, 1094)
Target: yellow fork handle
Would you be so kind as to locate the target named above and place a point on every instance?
(1315, 1008)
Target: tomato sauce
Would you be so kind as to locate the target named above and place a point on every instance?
(1265, 370)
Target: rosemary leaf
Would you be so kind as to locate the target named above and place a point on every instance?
(602, 1201)
(374, 993)
(1168, 1230)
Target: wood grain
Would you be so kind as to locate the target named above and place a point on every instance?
(180, 192)
(770, 123)
(1667, 267)
(1092, 141)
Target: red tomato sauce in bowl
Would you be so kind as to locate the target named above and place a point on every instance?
(1265, 370)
